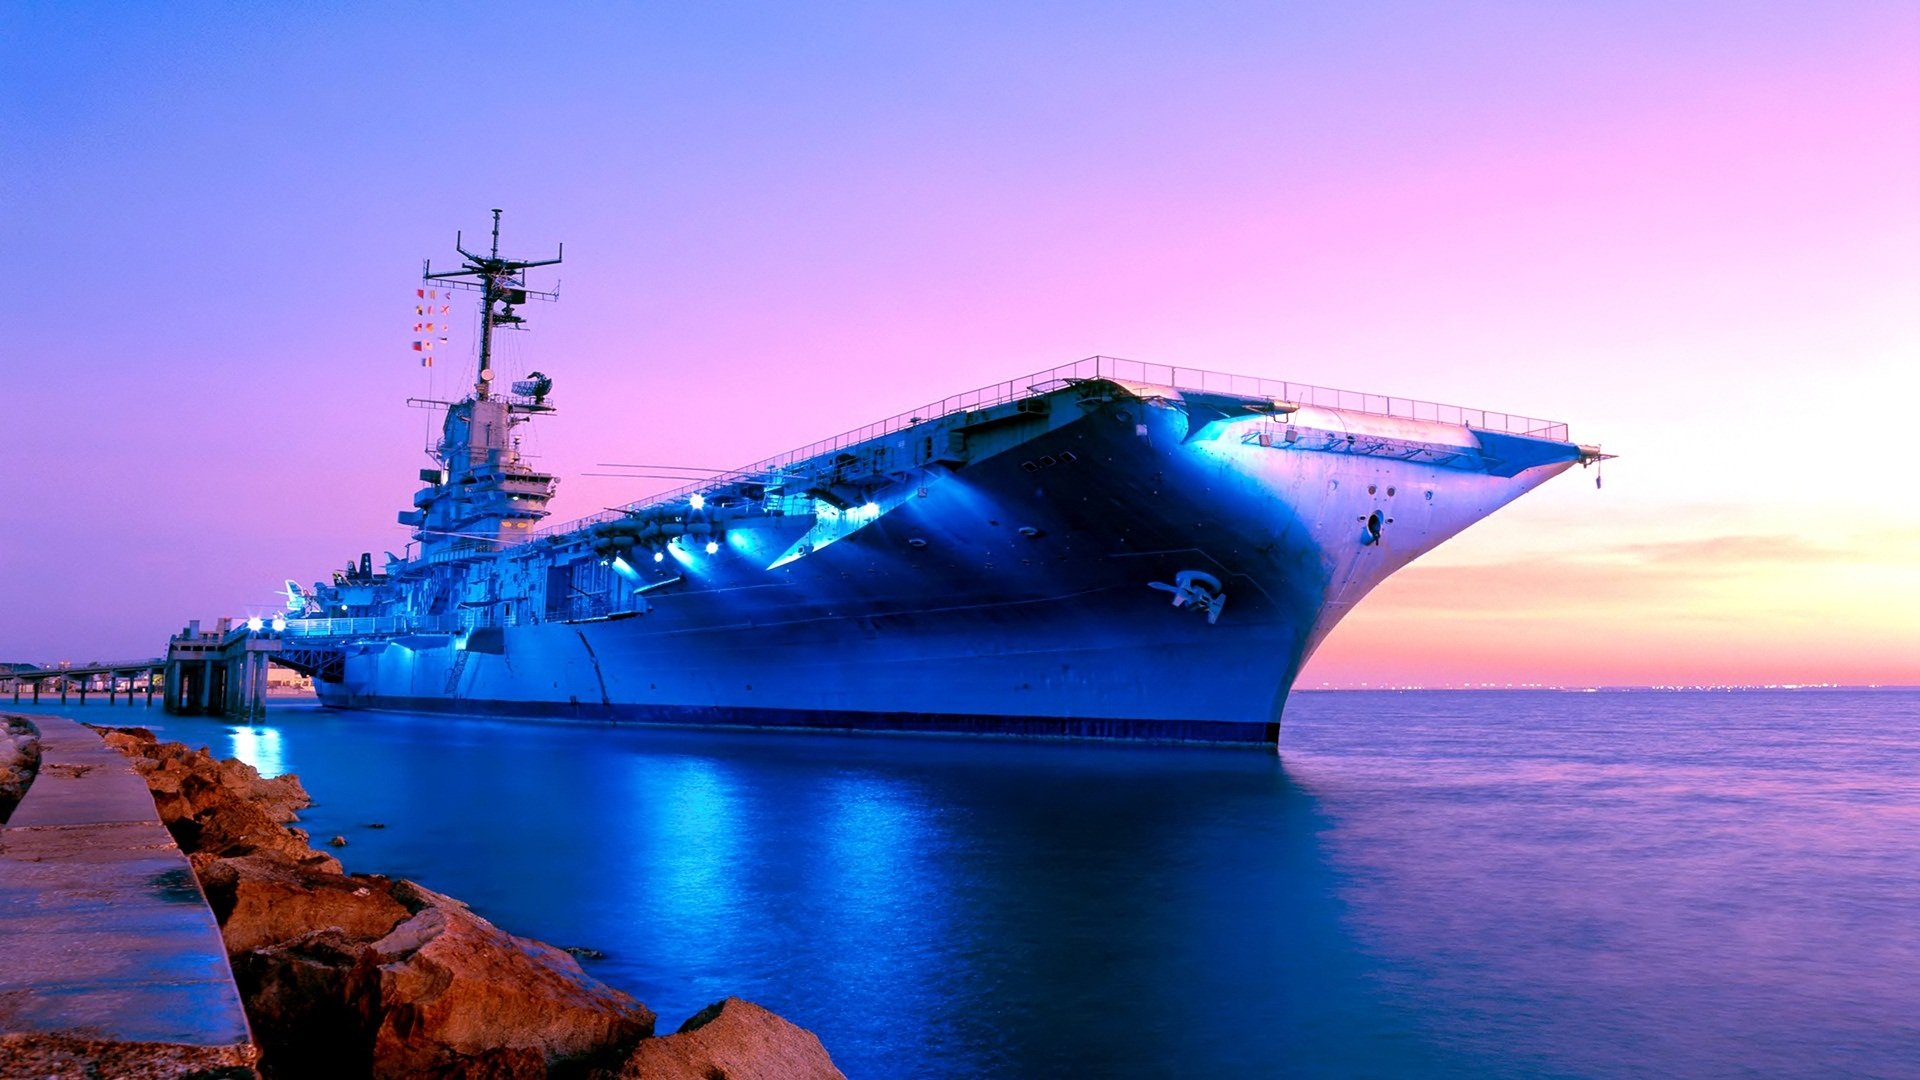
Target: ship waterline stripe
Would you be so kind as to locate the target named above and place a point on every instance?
(1106, 729)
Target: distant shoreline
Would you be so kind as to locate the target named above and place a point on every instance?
(1729, 688)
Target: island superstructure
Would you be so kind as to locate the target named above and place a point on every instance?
(1105, 549)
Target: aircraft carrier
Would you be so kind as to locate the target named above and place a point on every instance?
(1108, 549)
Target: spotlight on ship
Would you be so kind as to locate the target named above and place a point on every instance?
(871, 509)
(659, 556)
(697, 500)
(624, 569)
(713, 548)
(255, 624)
(279, 624)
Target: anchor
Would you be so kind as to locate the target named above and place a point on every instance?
(1198, 590)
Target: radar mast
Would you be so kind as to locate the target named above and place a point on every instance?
(484, 495)
(498, 281)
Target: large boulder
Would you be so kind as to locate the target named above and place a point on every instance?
(451, 994)
(307, 1001)
(732, 1040)
(268, 898)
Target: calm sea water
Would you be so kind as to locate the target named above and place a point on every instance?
(1424, 884)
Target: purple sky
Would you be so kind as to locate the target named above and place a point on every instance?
(1688, 230)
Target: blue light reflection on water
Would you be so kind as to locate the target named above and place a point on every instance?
(1428, 884)
(259, 746)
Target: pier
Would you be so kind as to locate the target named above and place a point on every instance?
(217, 672)
(222, 671)
(131, 678)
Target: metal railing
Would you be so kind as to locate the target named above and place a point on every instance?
(371, 626)
(1096, 367)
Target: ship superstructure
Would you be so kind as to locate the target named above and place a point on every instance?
(1104, 549)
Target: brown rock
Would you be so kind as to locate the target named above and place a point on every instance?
(281, 797)
(307, 1002)
(19, 761)
(269, 898)
(61, 1057)
(220, 807)
(238, 827)
(734, 1039)
(353, 975)
(457, 995)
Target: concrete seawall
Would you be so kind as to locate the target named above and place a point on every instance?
(113, 963)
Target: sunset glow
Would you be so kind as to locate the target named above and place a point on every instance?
(1686, 231)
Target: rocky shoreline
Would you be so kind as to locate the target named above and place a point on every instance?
(19, 760)
(362, 975)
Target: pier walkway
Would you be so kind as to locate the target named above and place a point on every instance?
(112, 959)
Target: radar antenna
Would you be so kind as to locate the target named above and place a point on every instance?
(499, 282)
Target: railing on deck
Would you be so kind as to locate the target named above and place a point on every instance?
(390, 625)
(574, 609)
(1099, 367)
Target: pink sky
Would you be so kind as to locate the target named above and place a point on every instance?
(1687, 230)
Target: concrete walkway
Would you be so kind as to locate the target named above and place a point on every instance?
(110, 960)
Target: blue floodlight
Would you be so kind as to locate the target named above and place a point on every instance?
(713, 548)
(659, 556)
(255, 624)
(279, 624)
(697, 500)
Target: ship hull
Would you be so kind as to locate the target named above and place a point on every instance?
(1028, 593)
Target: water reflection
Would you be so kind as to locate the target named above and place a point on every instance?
(684, 837)
(1433, 885)
(260, 747)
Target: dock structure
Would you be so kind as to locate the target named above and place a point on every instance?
(222, 671)
(217, 672)
(132, 678)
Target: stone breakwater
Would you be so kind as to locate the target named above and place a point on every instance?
(19, 758)
(362, 975)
